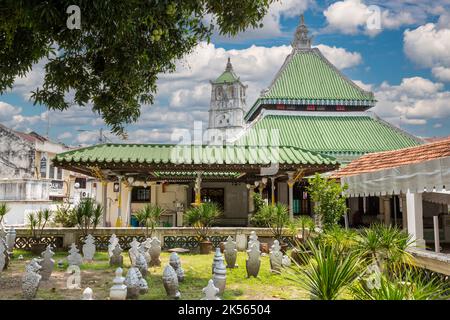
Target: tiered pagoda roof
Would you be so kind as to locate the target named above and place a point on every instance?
(308, 78)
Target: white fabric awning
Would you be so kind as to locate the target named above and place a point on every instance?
(432, 175)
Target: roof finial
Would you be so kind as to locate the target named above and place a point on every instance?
(301, 39)
(229, 65)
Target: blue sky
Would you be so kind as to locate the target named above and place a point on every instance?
(406, 63)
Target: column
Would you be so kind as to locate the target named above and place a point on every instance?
(291, 194)
(128, 221)
(387, 210)
(415, 217)
(197, 188)
(119, 204)
(105, 203)
(272, 179)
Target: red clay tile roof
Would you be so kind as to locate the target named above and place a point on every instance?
(391, 159)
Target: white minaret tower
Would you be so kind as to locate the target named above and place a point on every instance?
(227, 108)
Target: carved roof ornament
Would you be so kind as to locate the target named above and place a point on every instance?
(301, 39)
(229, 66)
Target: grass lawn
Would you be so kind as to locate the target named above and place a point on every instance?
(99, 275)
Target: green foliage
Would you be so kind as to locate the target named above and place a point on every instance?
(330, 204)
(149, 217)
(114, 60)
(329, 271)
(386, 246)
(344, 240)
(37, 222)
(88, 215)
(258, 201)
(273, 216)
(411, 286)
(65, 216)
(201, 217)
(304, 223)
(4, 209)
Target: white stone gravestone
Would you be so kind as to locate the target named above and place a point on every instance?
(74, 258)
(119, 290)
(253, 238)
(230, 252)
(210, 291)
(89, 248)
(276, 257)
(175, 262)
(217, 257)
(220, 276)
(47, 263)
(170, 281)
(133, 252)
(88, 294)
(113, 241)
(253, 262)
(31, 279)
(116, 259)
(155, 251)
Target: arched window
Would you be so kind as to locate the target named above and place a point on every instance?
(219, 93)
(231, 92)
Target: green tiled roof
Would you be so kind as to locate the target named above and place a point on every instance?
(308, 78)
(307, 74)
(226, 77)
(354, 133)
(179, 154)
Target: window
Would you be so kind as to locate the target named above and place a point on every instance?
(51, 171)
(81, 182)
(59, 173)
(43, 166)
(216, 195)
(140, 194)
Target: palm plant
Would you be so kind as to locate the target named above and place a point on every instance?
(344, 240)
(88, 215)
(4, 209)
(275, 217)
(386, 246)
(201, 217)
(329, 272)
(410, 286)
(149, 217)
(38, 222)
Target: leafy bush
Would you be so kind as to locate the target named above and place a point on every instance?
(65, 216)
(149, 217)
(328, 272)
(273, 216)
(201, 217)
(88, 215)
(329, 202)
(37, 222)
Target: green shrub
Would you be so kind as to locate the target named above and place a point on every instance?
(201, 217)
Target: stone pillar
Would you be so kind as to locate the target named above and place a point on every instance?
(272, 180)
(119, 204)
(415, 217)
(291, 194)
(387, 210)
(128, 220)
(404, 215)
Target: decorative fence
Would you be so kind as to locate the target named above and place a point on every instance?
(62, 238)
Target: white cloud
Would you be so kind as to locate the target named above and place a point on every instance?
(429, 46)
(355, 16)
(340, 57)
(441, 73)
(414, 101)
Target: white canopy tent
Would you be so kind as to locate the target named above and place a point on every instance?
(430, 176)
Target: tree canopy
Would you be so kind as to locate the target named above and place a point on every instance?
(113, 60)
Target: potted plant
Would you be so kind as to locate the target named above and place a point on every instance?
(201, 217)
(149, 217)
(65, 216)
(37, 223)
(275, 217)
(4, 209)
(88, 214)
